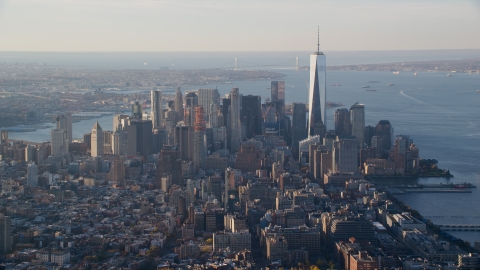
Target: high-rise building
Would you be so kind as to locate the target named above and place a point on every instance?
(117, 170)
(299, 126)
(357, 122)
(178, 104)
(191, 101)
(342, 122)
(32, 175)
(251, 115)
(5, 235)
(137, 110)
(235, 124)
(156, 113)
(207, 97)
(59, 142)
(184, 141)
(199, 140)
(345, 155)
(384, 130)
(64, 121)
(98, 141)
(226, 102)
(4, 136)
(30, 153)
(317, 91)
(139, 134)
(120, 121)
(278, 97)
(169, 162)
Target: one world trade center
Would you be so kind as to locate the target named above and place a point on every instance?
(317, 93)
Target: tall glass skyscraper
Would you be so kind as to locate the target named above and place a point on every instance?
(317, 93)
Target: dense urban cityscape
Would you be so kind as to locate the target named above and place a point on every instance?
(194, 180)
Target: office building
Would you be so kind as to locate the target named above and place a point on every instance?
(5, 235)
(169, 162)
(299, 126)
(139, 142)
(117, 170)
(199, 140)
(178, 104)
(276, 247)
(207, 97)
(137, 110)
(30, 153)
(342, 122)
(120, 121)
(278, 97)
(156, 113)
(357, 122)
(251, 115)
(235, 124)
(344, 228)
(317, 91)
(97, 141)
(345, 155)
(32, 175)
(4, 136)
(64, 121)
(384, 131)
(59, 142)
(183, 139)
(236, 242)
(191, 101)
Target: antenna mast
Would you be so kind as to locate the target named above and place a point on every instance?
(318, 43)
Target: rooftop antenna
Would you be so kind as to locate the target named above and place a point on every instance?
(318, 43)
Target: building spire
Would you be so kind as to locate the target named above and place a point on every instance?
(318, 40)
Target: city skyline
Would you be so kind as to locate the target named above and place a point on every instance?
(194, 25)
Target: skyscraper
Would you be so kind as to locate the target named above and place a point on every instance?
(235, 124)
(191, 101)
(278, 97)
(384, 130)
(139, 138)
(183, 139)
(251, 115)
(178, 104)
(156, 114)
(32, 175)
(299, 126)
(317, 90)
(5, 235)
(59, 142)
(205, 98)
(342, 122)
(345, 155)
(199, 143)
(357, 122)
(137, 110)
(64, 121)
(97, 141)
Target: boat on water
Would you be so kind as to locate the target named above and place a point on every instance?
(366, 86)
(391, 84)
(396, 72)
(449, 75)
(336, 84)
(415, 74)
(371, 90)
(478, 91)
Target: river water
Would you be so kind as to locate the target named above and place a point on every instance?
(441, 114)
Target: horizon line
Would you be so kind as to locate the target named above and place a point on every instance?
(252, 51)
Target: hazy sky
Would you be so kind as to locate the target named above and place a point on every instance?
(237, 25)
